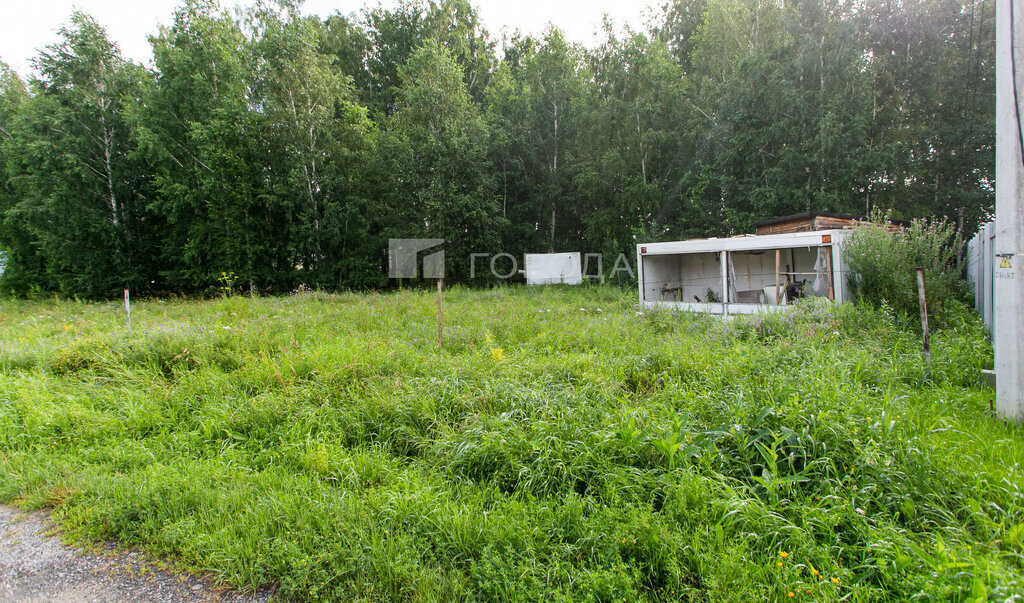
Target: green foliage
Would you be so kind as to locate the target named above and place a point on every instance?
(394, 35)
(203, 145)
(538, 105)
(434, 155)
(883, 262)
(635, 134)
(73, 169)
(226, 282)
(323, 138)
(289, 149)
(325, 444)
(21, 266)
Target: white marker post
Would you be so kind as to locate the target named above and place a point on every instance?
(925, 339)
(127, 310)
(440, 324)
(1008, 281)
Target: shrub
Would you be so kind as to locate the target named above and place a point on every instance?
(883, 259)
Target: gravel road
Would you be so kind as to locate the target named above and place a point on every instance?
(36, 566)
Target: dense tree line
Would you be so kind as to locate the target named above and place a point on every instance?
(283, 149)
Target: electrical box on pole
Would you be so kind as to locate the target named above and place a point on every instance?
(1008, 277)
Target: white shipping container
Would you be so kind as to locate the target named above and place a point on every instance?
(739, 275)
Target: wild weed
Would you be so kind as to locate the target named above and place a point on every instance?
(325, 444)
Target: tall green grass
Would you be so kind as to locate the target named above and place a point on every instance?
(561, 445)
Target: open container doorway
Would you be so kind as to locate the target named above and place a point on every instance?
(743, 274)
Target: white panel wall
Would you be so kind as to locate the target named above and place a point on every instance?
(980, 264)
(553, 268)
(660, 273)
(698, 273)
(681, 277)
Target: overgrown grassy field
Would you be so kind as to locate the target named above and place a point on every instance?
(561, 445)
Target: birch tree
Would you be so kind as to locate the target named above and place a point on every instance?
(75, 159)
(320, 137)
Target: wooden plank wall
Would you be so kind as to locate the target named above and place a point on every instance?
(805, 225)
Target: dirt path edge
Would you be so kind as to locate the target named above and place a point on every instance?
(36, 566)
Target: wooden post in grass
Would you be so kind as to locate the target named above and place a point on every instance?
(778, 268)
(440, 328)
(127, 310)
(924, 318)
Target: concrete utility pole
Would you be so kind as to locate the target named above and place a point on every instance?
(1008, 282)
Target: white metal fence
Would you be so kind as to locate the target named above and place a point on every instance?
(981, 258)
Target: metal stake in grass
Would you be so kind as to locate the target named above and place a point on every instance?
(924, 318)
(440, 328)
(127, 310)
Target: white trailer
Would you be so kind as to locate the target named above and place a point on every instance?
(743, 274)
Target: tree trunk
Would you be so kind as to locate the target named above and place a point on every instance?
(554, 177)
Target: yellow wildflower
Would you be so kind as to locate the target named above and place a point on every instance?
(497, 354)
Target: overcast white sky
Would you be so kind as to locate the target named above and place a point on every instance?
(26, 25)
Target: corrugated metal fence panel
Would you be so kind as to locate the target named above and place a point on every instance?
(980, 268)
